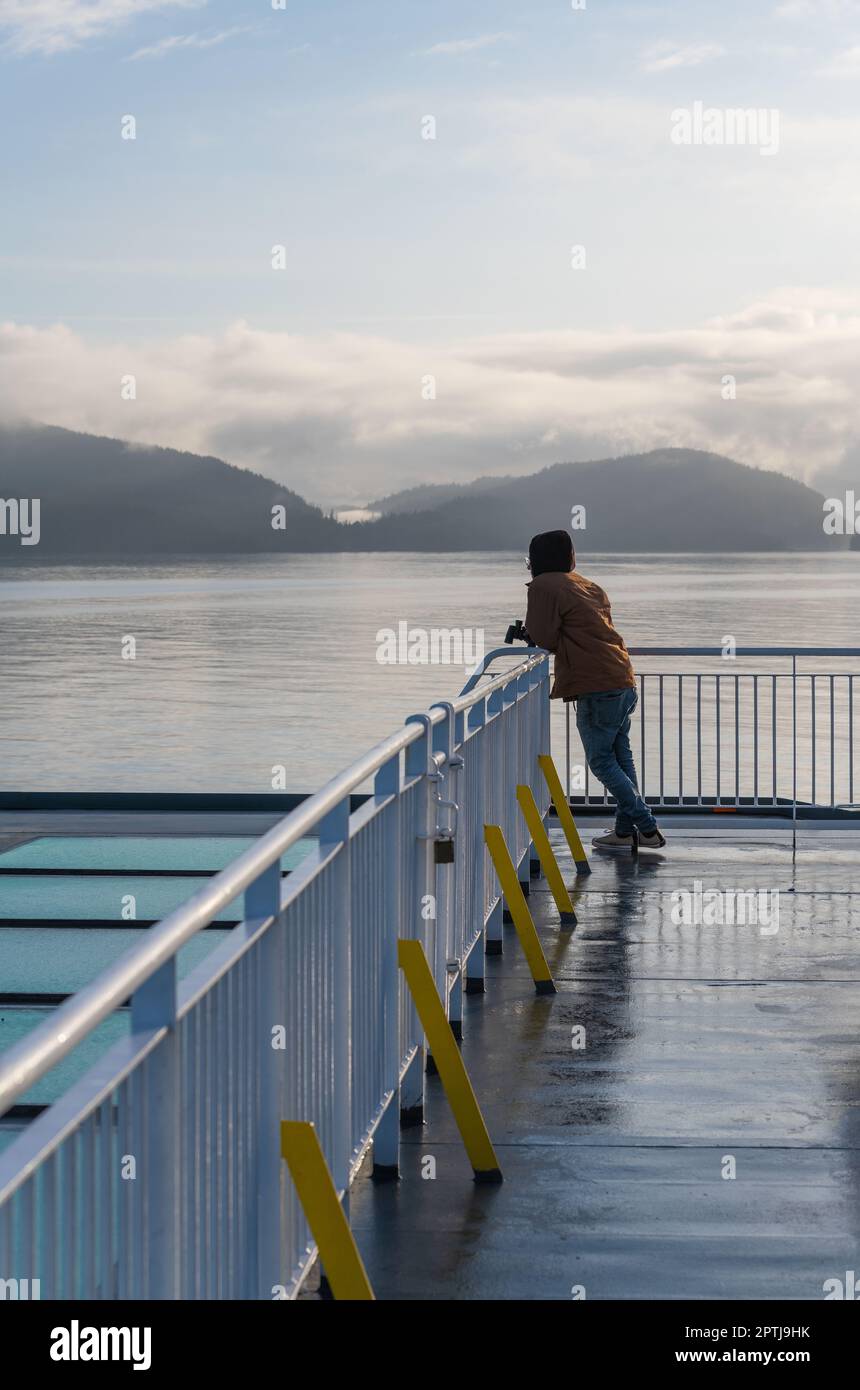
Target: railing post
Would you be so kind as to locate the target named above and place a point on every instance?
(424, 929)
(482, 869)
(567, 788)
(546, 718)
(159, 1166)
(450, 876)
(263, 1260)
(386, 1141)
(412, 1085)
(443, 874)
(471, 857)
(334, 835)
(510, 728)
(794, 754)
(495, 935)
(503, 806)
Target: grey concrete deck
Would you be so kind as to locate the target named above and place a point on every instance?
(702, 1042)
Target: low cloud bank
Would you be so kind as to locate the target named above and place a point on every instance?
(342, 417)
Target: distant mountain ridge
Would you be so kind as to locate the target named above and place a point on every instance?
(427, 496)
(666, 500)
(101, 499)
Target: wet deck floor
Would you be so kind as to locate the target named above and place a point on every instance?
(704, 1044)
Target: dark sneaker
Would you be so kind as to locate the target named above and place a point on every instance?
(656, 840)
(614, 842)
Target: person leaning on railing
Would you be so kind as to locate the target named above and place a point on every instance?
(570, 616)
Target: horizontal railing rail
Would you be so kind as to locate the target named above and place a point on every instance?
(157, 1173)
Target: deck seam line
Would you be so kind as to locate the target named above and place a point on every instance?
(699, 980)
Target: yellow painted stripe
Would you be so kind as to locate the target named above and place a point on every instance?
(549, 864)
(338, 1251)
(518, 908)
(449, 1063)
(563, 811)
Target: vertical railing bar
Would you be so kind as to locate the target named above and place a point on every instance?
(755, 739)
(699, 734)
(231, 1047)
(26, 1268)
(223, 1142)
(244, 1123)
(737, 740)
(832, 742)
(773, 712)
(88, 1182)
(70, 1228)
(851, 740)
(237, 1067)
(106, 1187)
(660, 707)
(794, 754)
(191, 1155)
(47, 1270)
(567, 709)
(7, 1260)
(680, 740)
(211, 1152)
(812, 733)
(128, 1238)
(717, 697)
(642, 739)
(335, 834)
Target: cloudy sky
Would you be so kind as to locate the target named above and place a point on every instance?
(407, 258)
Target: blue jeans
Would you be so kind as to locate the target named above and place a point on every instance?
(603, 721)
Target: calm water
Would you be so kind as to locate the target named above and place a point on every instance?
(245, 664)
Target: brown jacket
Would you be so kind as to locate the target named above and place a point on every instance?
(570, 616)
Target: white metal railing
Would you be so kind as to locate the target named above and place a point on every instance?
(158, 1174)
(728, 732)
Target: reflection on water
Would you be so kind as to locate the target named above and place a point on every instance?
(246, 665)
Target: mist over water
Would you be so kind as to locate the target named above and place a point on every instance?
(246, 664)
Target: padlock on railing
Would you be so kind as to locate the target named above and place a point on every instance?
(443, 850)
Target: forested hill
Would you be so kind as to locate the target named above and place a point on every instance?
(101, 498)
